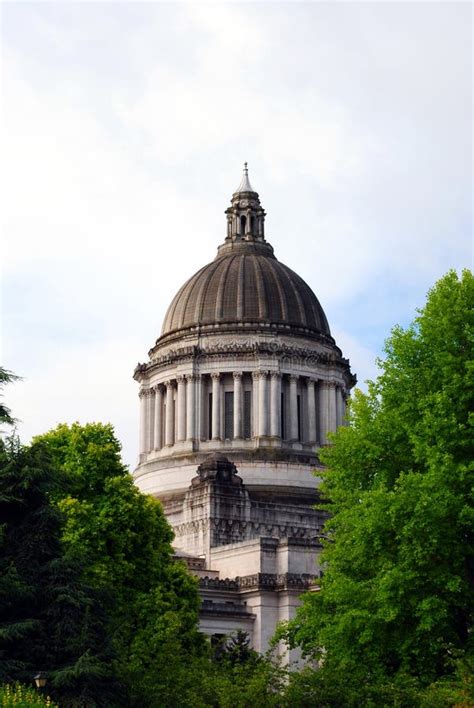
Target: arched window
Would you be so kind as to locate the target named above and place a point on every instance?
(252, 225)
(243, 221)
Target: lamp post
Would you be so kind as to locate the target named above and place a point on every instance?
(40, 679)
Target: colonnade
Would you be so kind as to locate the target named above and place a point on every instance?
(296, 409)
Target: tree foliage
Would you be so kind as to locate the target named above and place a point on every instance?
(397, 595)
(5, 412)
(50, 617)
(124, 541)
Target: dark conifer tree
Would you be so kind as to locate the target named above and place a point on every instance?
(50, 619)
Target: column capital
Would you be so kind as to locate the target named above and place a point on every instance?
(332, 383)
(310, 381)
(192, 377)
(180, 378)
(169, 383)
(275, 374)
(260, 374)
(158, 388)
(237, 374)
(215, 375)
(294, 378)
(142, 393)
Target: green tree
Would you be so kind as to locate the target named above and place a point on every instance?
(50, 619)
(5, 413)
(124, 541)
(397, 595)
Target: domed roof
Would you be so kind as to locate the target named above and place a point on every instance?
(245, 285)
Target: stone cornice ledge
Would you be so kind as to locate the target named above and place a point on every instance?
(300, 356)
(262, 581)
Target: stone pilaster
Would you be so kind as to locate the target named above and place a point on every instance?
(323, 412)
(158, 437)
(150, 414)
(238, 404)
(275, 404)
(332, 406)
(143, 420)
(169, 422)
(255, 402)
(311, 398)
(181, 403)
(190, 407)
(294, 408)
(262, 379)
(216, 408)
(339, 406)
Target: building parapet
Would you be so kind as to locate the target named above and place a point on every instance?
(262, 581)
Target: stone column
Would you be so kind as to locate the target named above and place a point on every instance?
(158, 417)
(190, 407)
(293, 409)
(216, 408)
(238, 405)
(255, 406)
(181, 404)
(262, 403)
(169, 422)
(332, 414)
(143, 420)
(311, 412)
(323, 412)
(199, 396)
(275, 404)
(150, 428)
(339, 406)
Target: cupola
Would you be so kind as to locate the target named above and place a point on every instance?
(245, 216)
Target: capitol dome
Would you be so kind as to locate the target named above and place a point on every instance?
(245, 366)
(240, 391)
(246, 286)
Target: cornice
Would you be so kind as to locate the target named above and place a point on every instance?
(287, 355)
(276, 582)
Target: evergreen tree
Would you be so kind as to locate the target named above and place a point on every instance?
(5, 413)
(50, 619)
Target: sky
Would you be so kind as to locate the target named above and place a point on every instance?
(124, 130)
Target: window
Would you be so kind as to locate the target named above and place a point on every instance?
(299, 417)
(243, 221)
(228, 415)
(209, 417)
(282, 414)
(247, 414)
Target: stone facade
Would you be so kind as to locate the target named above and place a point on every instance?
(240, 391)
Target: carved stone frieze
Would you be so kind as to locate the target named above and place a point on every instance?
(291, 355)
(247, 530)
(217, 584)
(262, 581)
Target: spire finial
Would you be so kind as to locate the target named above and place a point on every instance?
(245, 185)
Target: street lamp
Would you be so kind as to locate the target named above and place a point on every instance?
(40, 679)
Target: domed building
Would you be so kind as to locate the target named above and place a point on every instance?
(240, 391)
